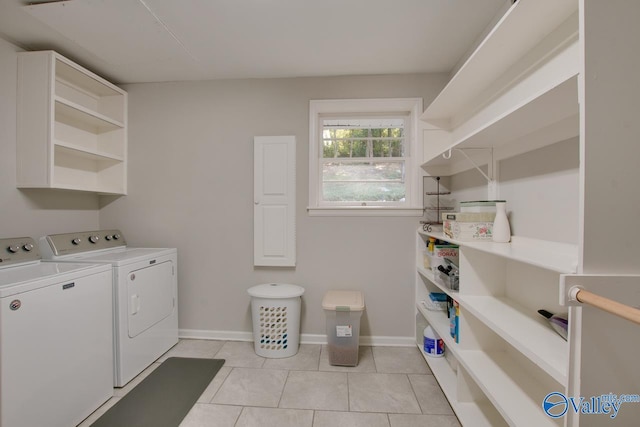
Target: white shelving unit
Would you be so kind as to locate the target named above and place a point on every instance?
(474, 408)
(72, 127)
(506, 348)
(519, 91)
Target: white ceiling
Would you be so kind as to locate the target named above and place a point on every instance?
(131, 41)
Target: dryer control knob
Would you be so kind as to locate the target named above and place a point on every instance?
(108, 237)
(28, 247)
(116, 236)
(94, 239)
(76, 241)
(13, 249)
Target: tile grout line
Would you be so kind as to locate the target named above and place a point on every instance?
(284, 385)
(221, 384)
(373, 358)
(348, 395)
(239, 415)
(415, 395)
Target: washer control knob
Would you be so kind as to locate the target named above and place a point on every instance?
(76, 241)
(116, 236)
(94, 239)
(13, 248)
(108, 237)
(28, 247)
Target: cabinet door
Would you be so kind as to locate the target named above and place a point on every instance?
(274, 201)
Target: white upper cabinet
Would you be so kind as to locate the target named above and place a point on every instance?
(72, 127)
(518, 90)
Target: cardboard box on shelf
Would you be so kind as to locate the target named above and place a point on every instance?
(442, 252)
(468, 226)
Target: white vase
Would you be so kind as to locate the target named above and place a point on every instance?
(501, 230)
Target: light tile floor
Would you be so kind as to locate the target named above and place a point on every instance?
(390, 387)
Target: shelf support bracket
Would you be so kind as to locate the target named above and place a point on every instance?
(488, 177)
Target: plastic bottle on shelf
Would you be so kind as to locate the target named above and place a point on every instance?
(454, 320)
(433, 344)
(432, 244)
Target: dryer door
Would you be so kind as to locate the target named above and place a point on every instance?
(150, 296)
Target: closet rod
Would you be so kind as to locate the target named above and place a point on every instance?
(622, 310)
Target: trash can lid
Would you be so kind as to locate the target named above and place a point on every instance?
(276, 290)
(343, 301)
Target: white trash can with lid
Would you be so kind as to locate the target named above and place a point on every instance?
(275, 311)
(343, 310)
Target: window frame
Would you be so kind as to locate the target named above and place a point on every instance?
(409, 107)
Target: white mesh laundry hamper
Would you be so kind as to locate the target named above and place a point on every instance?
(275, 310)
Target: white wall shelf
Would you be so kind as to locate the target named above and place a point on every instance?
(428, 274)
(527, 356)
(72, 127)
(516, 395)
(77, 150)
(67, 111)
(507, 319)
(517, 92)
(555, 256)
(523, 27)
(549, 71)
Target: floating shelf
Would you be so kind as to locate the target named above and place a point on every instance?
(523, 27)
(551, 117)
(553, 256)
(516, 93)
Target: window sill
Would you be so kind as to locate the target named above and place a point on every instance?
(364, 211)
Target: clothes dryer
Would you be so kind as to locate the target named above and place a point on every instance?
(145, 294)
(56, 338)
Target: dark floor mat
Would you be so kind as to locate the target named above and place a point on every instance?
(164, 397)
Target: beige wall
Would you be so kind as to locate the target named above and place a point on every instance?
(190, 182)
(32, 212)
(191, 186)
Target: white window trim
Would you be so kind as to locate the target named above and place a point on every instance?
(346, 106)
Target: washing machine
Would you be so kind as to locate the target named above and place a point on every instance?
(56, 338)
(145, 293)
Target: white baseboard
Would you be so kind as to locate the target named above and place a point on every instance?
(380, 341)
(203, 334)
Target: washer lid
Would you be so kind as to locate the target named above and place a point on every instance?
(123, 256)
(276, 290)
(23, 278)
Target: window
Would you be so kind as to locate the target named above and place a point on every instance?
(363, 157)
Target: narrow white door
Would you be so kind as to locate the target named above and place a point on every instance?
(274, 216)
